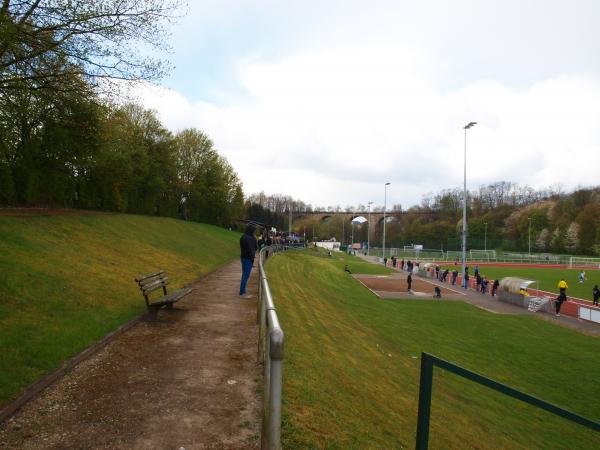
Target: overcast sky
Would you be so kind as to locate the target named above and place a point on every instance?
(328, 100)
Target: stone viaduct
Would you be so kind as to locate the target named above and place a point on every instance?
(376, 218)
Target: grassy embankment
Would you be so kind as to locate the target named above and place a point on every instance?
(351, 369)
(548, 278)
(67, 281)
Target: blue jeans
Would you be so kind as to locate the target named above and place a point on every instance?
(246, 269)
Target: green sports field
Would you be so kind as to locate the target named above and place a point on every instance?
(548, 278)
(351, 368)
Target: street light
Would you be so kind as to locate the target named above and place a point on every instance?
(384, 205)
(529, 235)
(369, 231)
(464, 227)
(352, 243)
(485, 237)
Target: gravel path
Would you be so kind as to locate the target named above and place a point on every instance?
(188, 380)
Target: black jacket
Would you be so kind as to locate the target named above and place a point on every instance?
(248, 243)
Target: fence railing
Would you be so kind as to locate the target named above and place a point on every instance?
(270, 353)
(427, 364)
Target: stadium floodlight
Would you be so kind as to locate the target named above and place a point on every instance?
(529, 236)
(464, 227)
(485, 236)
(369, 231)
(384, 205)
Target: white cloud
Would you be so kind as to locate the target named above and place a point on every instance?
(330, 126)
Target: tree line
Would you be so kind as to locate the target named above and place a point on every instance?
(500, 215)
(67, 138)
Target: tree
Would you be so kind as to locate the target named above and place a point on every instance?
(572, 237)
(44, 41)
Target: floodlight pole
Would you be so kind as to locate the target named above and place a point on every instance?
(369, 231)
(485, 237)
(384, 205)
(464, 224)
(529, 234)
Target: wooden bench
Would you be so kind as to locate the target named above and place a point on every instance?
(154, 281)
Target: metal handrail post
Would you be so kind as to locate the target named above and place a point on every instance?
(276, 340)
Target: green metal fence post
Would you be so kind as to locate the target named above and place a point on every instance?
(425, 389)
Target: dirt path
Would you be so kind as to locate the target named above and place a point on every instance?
(188, 380)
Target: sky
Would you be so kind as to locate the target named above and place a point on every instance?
(327, 101)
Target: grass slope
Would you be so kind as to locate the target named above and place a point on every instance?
(352, 362)
(67, 281)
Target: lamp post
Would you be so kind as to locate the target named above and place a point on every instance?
(369, 231)
(384, 205)
(464, 227)
(529, 234)
(485, 237)
(352, 243)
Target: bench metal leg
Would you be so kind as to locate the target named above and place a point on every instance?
(153, 313)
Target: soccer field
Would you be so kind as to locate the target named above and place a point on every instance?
(548, 278)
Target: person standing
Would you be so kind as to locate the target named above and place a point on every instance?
(562, 286)
(559, 301)
(596, 294)
(454, 276)
(495, 287)
(248, 246)
(409, 282)
(581, 276)
(385, 261)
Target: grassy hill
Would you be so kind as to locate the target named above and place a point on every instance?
(352, 362)
(66, 281)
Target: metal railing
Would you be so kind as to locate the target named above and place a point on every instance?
(270, 353)
(427, 364)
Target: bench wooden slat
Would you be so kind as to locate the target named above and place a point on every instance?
(151, 280)
(143, 277)
(155, 285)
(171, 298)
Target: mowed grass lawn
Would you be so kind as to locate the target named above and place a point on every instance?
(65, 282)
(352, 364)
(548, 278)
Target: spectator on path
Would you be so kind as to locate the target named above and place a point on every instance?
(466, 279)
(484, 285)
(477, 280)
(248, 246)
(385, 261)
(394, 262)
(596, 294)
(495, 287)
(454, 276)
(581, 276)
(438, 292)
(476, 271)
(347, 269)
(562, 297)
(402, 264)
(409, 282)
(437, 272)
(562, 286)
(445, 275)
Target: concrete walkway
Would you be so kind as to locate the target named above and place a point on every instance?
(188, 380)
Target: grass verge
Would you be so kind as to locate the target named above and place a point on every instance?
(351, 368)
